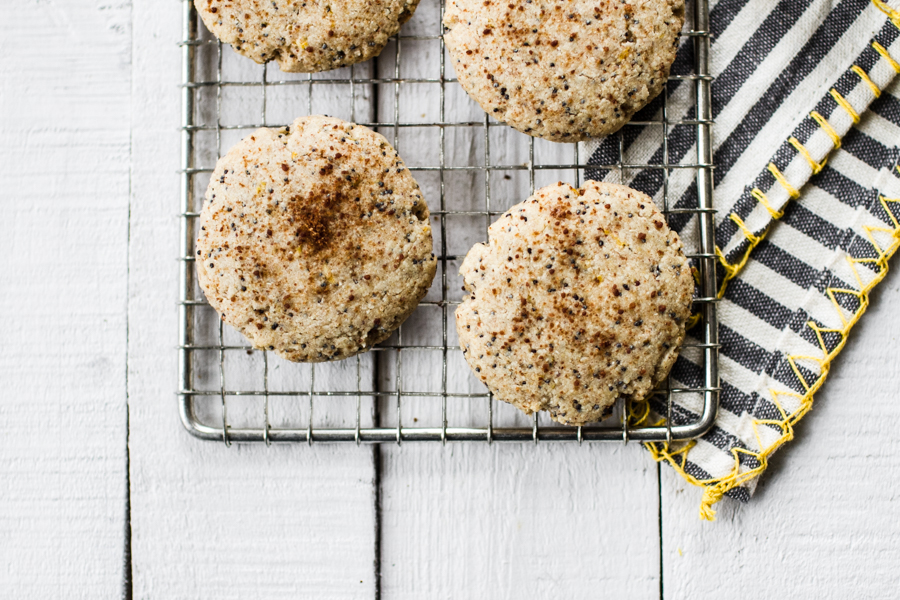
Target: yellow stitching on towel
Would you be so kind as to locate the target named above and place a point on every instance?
(842, 102)
(692, 321)
(754, 240)
(865, 77)
(731, 270)
(638, 412)
(791, 190)
(827, 128)
(883, 52)
(764, 200)
(714, 489)
(816, 167)
(676, 453)
(892, 14)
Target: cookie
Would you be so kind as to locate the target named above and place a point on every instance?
(563, 71)
(306, 36)
(579, 298)
(314, 239)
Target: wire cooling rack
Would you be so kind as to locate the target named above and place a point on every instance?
(415, 386)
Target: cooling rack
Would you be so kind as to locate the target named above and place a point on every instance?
(415, 386)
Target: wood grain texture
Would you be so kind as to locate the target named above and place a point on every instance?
(503, 521)
(823, 522)
(89, 118)
(64, 126)
(518, 521)
(209, 521)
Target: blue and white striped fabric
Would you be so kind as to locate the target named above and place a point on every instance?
(806, 103)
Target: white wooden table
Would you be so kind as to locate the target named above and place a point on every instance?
(104, 495)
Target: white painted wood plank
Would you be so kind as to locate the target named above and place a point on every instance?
(210, 521)
(824, 518)
(505, 521)
(518, 521)
(64, 143)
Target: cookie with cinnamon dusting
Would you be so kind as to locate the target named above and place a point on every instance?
(579, 298)
(314, 239)
(306, 36)
(563, 71)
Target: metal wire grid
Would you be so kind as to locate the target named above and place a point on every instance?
(216, 399)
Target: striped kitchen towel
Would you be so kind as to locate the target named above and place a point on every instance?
(806, 104)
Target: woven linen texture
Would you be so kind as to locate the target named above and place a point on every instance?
(807, 125)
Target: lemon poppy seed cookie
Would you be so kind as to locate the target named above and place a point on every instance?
(580, 297)
(314, 239)
(563, 71)
(306, 36)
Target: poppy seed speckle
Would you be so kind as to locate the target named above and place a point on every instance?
(308, 36)
(571, 328)
(563, 71)
(309, 268)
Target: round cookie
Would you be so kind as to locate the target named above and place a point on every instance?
(580, 297)
(563, 71)
(314, 239)
(306, 36)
